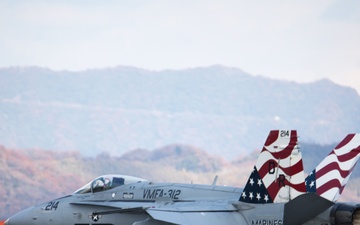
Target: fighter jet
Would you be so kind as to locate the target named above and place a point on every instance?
(275, 194)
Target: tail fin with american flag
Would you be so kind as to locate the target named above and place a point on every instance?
(329, 178)
(278, 175)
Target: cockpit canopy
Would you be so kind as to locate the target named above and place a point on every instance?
(107, 182)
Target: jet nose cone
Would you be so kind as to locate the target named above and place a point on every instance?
(21, 218)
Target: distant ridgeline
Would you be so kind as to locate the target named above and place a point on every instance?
(223, 110)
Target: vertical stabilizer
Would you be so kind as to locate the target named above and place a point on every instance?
(278, 175)
(329, 178)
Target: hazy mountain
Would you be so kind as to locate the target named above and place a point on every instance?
(223, 110)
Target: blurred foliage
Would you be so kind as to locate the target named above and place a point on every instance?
(30, 177)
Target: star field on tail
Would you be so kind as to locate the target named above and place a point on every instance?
(310, 182)
(255, 191)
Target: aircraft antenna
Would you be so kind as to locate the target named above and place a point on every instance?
(215, 180)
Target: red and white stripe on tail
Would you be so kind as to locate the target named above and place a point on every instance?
(330, 177)
(278, 175)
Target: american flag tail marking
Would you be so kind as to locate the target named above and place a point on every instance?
(329, 178)
(278, 175)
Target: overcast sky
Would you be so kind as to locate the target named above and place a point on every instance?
(294, 40)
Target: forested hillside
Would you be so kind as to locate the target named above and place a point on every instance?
(33, 176)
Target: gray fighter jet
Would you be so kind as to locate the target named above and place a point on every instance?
(276, 193)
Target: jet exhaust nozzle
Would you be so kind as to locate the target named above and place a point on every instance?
(345, 214)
